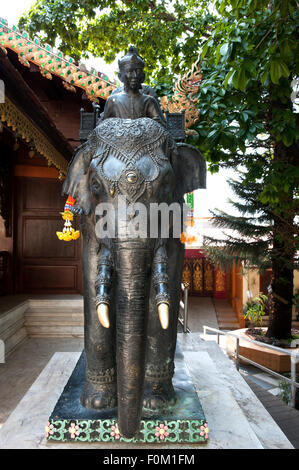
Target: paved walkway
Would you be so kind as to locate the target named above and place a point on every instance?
(201, 311)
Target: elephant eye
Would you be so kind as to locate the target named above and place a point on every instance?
(95, 185)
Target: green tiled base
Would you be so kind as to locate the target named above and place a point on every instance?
(183, 422)
(106, 430)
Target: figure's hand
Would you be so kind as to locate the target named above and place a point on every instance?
(163, 311)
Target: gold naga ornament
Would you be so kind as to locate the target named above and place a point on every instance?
(184, 97)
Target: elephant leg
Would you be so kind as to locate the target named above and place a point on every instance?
(158, 389)
(100, 382)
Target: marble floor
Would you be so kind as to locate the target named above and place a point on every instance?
(24, 366)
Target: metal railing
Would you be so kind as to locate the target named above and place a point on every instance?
(184, 306)
(294, 358)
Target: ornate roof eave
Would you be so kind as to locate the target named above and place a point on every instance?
(95, 84)
(14, 118)
(54, 63)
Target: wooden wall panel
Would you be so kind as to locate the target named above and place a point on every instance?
(58, 278)
(40, 241)
(44, 264)
(41, 193)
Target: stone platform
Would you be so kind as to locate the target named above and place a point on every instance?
(180, 423)
(236, 418)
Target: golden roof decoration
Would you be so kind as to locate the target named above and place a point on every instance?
(95, 84)
(26, 129)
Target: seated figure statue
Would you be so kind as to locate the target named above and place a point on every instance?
(130, 102)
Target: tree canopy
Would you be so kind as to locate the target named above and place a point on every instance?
(165, 32)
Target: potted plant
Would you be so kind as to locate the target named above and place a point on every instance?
(255, 310)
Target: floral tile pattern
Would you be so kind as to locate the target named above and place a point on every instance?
(106, 430)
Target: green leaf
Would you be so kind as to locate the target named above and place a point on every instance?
(205, 49)
(235, 78)
(227, 78)
(240, 79)
(224, 49)
(278, 69)
(287, 139)
(244, 116)
(218, 55)
(275, 73)
(284, 69)
(264, 76)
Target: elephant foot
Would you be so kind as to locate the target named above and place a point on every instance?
(158, 397)
(99, 396)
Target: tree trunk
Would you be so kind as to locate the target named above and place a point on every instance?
(283, 253)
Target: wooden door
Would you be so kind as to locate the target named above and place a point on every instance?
(44, 264)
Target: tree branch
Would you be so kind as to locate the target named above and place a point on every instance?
(164, 15)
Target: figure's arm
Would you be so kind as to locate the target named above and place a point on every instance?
(154, 111)
(108, 109)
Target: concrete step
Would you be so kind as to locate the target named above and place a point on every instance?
(12, 330)
(61, 304)
(55, 318)
(51, 313)
(55, 331)
(227, 320)
(230, 318)
(228, 327)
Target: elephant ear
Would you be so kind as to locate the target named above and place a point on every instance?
(76, 183)
(190, 168)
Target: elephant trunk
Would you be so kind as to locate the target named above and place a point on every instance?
(132, 266)
(133, 274)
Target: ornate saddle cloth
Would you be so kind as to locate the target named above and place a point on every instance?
(128, 139)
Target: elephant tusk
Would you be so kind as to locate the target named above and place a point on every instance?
(103, 315)
(163, 311)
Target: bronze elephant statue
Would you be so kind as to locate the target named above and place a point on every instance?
(132, 274)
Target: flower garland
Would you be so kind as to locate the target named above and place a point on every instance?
(68, 233)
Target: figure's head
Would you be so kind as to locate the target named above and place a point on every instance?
(131, 69)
